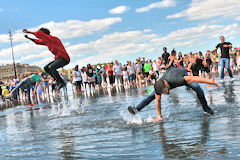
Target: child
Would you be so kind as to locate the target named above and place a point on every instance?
(125, 76)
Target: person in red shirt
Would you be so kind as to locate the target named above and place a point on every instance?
(56, 47)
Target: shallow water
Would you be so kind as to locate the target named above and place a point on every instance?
(98, 126)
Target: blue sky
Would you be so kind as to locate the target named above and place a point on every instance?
(100, 31)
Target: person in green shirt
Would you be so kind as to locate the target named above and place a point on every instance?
(34, 77)
(146, 68)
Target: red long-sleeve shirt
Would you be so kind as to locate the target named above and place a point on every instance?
(53, 43)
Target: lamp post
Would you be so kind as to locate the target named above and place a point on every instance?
(10, 38)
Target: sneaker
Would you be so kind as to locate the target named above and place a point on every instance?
(32, 105)
(221, 80)
(208, 110)
(60, 86)
(132, 110)
(232, 79)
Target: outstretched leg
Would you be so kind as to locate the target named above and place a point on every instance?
(142, 104)
(200, 94)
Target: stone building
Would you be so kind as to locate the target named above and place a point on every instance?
(8, 70)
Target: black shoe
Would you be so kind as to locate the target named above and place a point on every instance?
(208, 110)
(59, 86)
(132, 110)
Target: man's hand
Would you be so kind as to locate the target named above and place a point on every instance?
(26, 36)
(215, 83)
(159, 118)
(25, 31)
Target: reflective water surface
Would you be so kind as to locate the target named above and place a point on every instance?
(98, 126)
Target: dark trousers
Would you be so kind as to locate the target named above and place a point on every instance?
(52, 67)
(195, 86)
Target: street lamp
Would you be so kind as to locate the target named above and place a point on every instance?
(14, 66)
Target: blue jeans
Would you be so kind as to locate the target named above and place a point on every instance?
(25, 82)
(195, 86)
(226, 62)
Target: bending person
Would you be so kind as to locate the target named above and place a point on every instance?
(56, 47)
(35, 77)
(173, 78)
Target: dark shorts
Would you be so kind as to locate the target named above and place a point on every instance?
(133, 77)
(153, 77)
(111, 79)
(146, 74)
(78, 84)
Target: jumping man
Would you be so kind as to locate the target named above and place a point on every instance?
(56, 47)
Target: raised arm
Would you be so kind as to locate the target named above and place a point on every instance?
(37, 41)
(191, 79)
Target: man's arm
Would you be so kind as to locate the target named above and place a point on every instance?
(37, 41)
(27, 31)
(191, 79)
(158, 108)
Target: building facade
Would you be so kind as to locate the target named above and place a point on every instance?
(8, 70)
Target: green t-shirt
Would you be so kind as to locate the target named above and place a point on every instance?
(36, 77)
(146, 67)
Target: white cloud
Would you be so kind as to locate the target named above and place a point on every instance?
(128, 44)
(67, 29)
(204, 9)
(161, 4)
(118, 10)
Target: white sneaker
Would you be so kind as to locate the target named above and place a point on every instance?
(221, 80)
(232, 79)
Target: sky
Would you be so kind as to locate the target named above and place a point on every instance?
(98, 31)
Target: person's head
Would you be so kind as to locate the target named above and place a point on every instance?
(76, 68)
(103, 66)
(159, 58)
(93, 67)
(173, 53)
(208, 52)
(180, 54)
(45, 30)
(138, 62)
(222, 39)
(151, 68)
(116, 62)
(164, 49)
(161, 87)
(235, 49)
(11, 77)
(89, 66)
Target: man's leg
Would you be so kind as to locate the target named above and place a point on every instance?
(222, 68)
(52, 69)
(47, 69)
(146, 101)
(142, 104)
(227, 63)
(200, 94)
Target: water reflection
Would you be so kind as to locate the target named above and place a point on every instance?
(181, 147)
(229, 95)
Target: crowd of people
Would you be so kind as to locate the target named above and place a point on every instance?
(139, 73)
